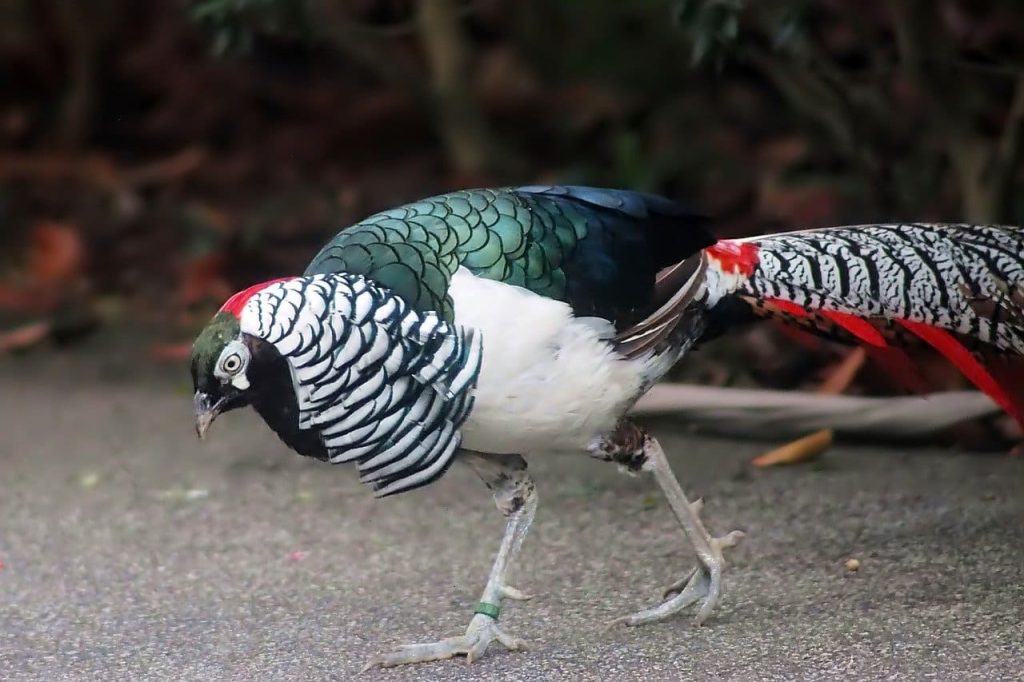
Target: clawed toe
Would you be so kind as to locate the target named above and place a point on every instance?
(718, 545)
(676, 587)
(703, 585)
(481, 632)
(698, 587)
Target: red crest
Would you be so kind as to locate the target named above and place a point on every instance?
(235, 304)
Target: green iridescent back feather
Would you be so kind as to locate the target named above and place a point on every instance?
(596, 249)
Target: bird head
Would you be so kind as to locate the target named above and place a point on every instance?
(221, 361)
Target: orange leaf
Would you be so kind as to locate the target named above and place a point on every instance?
(842, 374)
(803, 450)
(24, 337)
(56, 253)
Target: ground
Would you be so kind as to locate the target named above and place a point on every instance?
(132, 551)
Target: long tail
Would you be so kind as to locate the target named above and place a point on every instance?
(957, 288)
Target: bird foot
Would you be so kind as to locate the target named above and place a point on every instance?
(481, 632)
(703, 582)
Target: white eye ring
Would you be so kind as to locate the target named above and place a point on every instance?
(231, 363)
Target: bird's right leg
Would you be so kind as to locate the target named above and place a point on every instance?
(516, 498)
(635, 450)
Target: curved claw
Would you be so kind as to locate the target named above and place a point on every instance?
(703, 584)
(678, 586)
(481, 632)
(698, 587)
(718, 544)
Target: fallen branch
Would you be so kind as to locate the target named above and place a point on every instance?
(787, 414)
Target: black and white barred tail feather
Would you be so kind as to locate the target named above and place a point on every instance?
(944, 284)
(967, 279)
(385, 386)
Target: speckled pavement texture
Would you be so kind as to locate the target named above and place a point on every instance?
(131, 551)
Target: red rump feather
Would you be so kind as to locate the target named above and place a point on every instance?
(964, 360)
(859, 327)
(894, 361)
(235, 304)
(735, 257)
(788, 307)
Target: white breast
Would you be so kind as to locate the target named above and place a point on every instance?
(549, 381)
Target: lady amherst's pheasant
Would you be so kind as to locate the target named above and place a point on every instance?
(489, 324)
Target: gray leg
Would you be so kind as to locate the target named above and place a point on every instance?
(516, 498)
(634, 449)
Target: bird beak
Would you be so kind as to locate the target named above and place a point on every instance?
(206, 412)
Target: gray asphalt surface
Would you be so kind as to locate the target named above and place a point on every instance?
(131, 551)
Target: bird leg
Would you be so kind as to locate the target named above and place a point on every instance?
(635, 450)
(516, 498)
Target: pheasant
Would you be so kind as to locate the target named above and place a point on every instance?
(489, 324)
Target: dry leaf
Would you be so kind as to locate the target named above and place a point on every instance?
(841, 375)
(802, 450)
(56, 253)
(24, 337)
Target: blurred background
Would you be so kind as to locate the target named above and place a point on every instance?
(157, 156)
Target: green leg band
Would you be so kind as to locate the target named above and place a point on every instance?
(488, 609)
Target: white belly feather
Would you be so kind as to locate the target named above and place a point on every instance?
(549, 381)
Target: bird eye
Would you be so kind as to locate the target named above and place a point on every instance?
(232, 363)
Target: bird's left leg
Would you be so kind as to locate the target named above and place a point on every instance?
(635, 450)
(516, 498)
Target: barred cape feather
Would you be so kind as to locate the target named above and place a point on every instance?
(385, 386)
